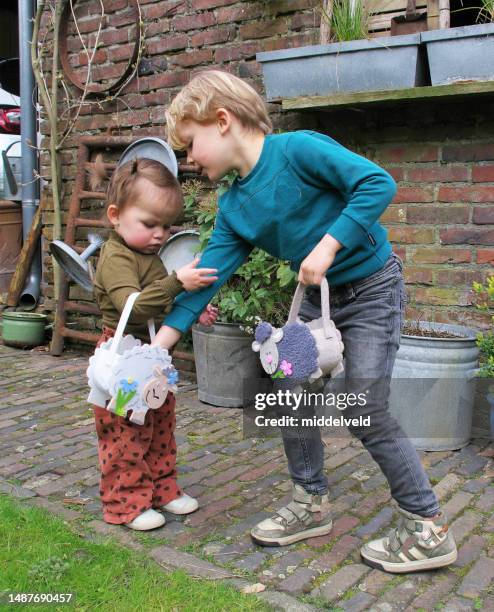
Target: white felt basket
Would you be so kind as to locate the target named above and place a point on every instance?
(125, 374)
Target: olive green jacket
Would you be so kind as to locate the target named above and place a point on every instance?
(122, 271)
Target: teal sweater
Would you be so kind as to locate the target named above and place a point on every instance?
(303, 186)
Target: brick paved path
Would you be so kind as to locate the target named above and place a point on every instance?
(48, 458)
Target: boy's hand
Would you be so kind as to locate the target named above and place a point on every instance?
(317, 262)
(166, 337)
(208, 316)
(195, 278)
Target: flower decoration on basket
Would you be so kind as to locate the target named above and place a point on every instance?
(124, 374)
(301, 352)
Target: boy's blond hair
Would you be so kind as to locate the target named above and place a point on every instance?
(210, 90)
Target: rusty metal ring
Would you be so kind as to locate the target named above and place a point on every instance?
(64, 59)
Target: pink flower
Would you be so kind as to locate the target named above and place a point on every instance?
(286, 368)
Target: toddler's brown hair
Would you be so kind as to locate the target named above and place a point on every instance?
(124, 182)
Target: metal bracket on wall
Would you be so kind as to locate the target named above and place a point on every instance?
(87, 145)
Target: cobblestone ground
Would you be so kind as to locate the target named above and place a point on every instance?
(48, 457)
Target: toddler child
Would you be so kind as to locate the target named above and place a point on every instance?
(138, 461)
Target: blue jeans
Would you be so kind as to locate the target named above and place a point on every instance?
(369, 315)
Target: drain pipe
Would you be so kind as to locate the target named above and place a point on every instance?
(29, 139)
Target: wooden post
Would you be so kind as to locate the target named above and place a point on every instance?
(23, 263)
(325, 28)
(432, 14)
(444, 14)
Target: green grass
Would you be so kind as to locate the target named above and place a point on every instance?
(40, 554)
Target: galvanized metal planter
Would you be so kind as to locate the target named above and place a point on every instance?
(393, 62)
(224, 360)
(460, 54)
(433, 387)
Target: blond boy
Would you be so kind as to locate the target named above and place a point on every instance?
(303, 197)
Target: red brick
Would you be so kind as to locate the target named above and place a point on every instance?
(123, 19)
(466, 194)
(212, 37)
(167, 79)
(408, 153)
(242, 13)
(276, 7)
(90, 25)
(443, 174)
(343, 524)
(157, 28)
(467, 236)
(206, 513)
(394, 214)
(483, 174)
(108, 72)
(286, 42)
(263, 29)
(192, 58)
(485, 256)
(458, 278)
(193, 22)
(439, 296)
(249, 69)
(168, 43)
(483, 214)
(302, 21)
(421, 276)
(437, 214)
(199, 5)
(440, 255)
(408, 235)
(114, 37)
(414, 194)
(100, 57)
(155, 11)
(122, 52)
(397, 173)
(227, 54)
(468, 152)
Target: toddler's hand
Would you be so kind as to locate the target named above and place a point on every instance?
(208, 316)
(195, 278)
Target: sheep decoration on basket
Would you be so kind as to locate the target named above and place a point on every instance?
(124, 374)
(301, 352)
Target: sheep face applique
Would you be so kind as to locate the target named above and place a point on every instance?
(265, 343)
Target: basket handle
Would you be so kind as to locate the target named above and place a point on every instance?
(297, 302)
(124, 318)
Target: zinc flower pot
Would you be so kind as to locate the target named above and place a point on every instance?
(460, 54)
(226, 366)
(433, 387)
(394, 62)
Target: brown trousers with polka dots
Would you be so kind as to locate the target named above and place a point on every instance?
(137, 462)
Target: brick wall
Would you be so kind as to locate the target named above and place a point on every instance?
(442, 219)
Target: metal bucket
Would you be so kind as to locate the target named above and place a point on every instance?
(433, 387)
(224, 359)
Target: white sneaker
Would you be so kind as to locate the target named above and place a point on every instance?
(146, 521)
(182, 505)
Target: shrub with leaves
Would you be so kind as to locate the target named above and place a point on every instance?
(262, 288)
(485, 341)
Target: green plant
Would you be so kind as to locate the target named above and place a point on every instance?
(262, 288)
(485, 11)
(485, 341)
(349, 19)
